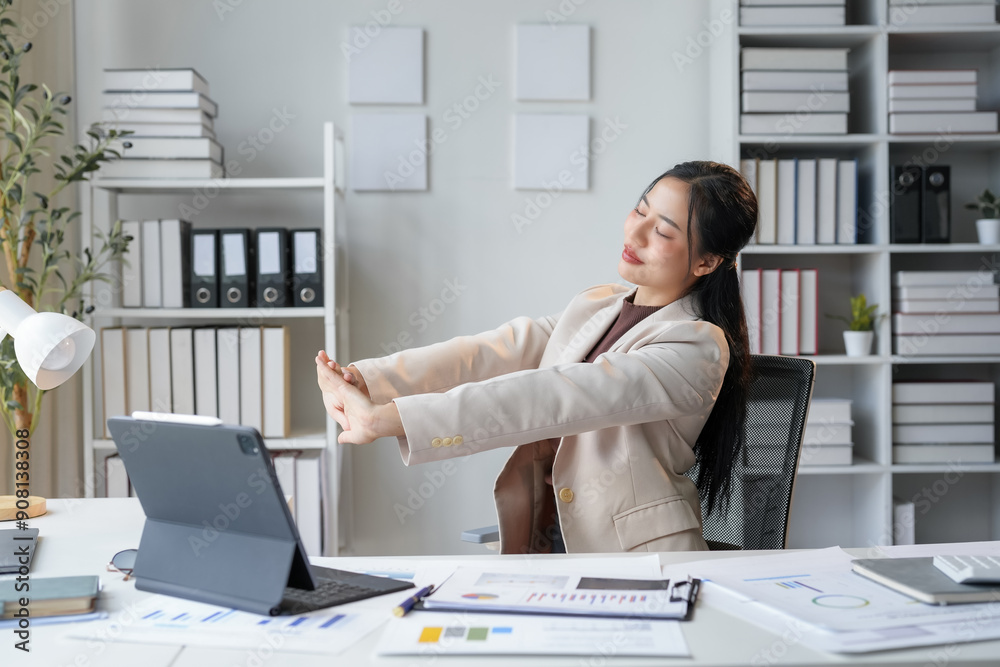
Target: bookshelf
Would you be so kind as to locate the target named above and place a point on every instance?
(312, 432)
(852, 505)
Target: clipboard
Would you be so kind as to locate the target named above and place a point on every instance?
(683, 591)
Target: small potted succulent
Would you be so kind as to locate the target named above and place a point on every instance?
(987, 226)
(861, 326)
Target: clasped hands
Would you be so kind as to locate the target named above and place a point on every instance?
(347, 400)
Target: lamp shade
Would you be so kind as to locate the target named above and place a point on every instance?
(50, 347)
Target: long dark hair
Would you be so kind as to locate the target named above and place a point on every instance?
(724, 208)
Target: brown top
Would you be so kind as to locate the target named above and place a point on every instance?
(630, 316)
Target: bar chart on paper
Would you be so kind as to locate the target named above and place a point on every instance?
(429, 633)
(162, 619)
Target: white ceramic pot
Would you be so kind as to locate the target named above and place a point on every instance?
(988, 230)
(858, 343)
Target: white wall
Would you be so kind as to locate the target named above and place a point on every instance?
(404, 247)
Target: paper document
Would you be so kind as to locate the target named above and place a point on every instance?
(490, 590)
(429, 634)
(167, 620)
(794, 631)
(818, 587)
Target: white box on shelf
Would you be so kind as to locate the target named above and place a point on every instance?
(942, 392)
(971, 453)
(944, 413)
(829, 409)
(826, 455)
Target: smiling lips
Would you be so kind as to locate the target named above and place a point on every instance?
(630, 257)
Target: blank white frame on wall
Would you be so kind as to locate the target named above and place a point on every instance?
(553, 62)
(388, 151)
(389, 69)
(551, 149)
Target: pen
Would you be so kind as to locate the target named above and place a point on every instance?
(406, 605)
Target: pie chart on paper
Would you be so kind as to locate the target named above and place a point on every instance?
(479, 596)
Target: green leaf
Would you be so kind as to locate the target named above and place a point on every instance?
(14, 139)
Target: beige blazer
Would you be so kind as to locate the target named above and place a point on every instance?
(625, 424)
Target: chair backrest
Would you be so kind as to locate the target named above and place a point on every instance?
(764, 474)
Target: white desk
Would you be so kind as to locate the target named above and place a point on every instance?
(80, 536)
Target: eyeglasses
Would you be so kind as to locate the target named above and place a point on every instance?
(124, 562)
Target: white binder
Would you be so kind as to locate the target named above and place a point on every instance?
(152, 294)
(228, 362)
(160, 394)
(205, 381)
(113, 369)
(251, 400)
(137, 369)
(182, 370)
(174, 237)
(276, 382)
(132, 263)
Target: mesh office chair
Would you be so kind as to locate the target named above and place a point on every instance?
(760, 499)
(763, 477)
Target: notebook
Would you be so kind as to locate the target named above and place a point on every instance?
(49, 596)
(921, 580)
(14, 544)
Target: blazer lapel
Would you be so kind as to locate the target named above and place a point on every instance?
(682, 309)
(592, 330)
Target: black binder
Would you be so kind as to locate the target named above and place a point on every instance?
(904, 211)
(237, 269)
(935, 220)
(272, 275)
(205, 268)
(307, 267)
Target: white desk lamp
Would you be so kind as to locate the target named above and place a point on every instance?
(50, 348)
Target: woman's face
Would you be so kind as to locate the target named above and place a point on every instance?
(656, 255)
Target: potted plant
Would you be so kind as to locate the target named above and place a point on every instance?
(34, 219)
(861, 326)
(988, 226)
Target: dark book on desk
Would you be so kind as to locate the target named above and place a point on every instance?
(50, 596)
(921, 580)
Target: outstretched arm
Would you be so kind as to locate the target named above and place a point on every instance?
(514, 346)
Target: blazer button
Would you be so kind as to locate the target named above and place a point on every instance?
(436, 442)
(457, 440)
(566, 495)
(446, 442)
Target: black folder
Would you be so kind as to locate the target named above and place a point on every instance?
(205, 268)
(307, 267)
(272, 275)
(236, 285)
(904, 211)
(935, 219)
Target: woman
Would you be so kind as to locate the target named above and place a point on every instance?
(609, 402)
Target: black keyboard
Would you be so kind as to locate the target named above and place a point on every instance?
(331, 592)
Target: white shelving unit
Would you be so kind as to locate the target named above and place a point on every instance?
(309, 328)
(852, 505)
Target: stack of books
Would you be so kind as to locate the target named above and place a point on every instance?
(945, 312)
(781, 307)
(927, 101)
(934, 12)
(171, 117)
(943, 422)
(828, 439)
(804, 201)
(794, 91)
(793, 12)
